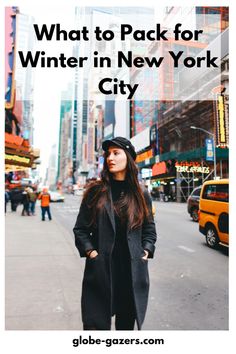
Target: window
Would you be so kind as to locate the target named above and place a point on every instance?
(218, 192)
(196, 192)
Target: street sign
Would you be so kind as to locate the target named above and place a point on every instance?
(209, 150)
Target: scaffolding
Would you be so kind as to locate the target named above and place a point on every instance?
(189, 178)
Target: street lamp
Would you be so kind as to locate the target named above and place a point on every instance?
(214, 145)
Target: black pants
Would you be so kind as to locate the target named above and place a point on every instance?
(123, 322)
(25, 209)
(13, 205)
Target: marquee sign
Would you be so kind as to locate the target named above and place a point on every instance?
(18, 160)
(191, 167)
(221, 120)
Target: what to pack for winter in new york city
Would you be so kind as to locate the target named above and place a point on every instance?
(54, 32)
(125, 58)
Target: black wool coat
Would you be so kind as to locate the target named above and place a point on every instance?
(97, 282)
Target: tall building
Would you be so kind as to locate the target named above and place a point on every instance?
(19, 152)
(64, 164)
(52, 168)
(180, 162)
(98, 116)
(24, 77)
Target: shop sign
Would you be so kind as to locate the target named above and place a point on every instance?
(146, 172)
(221, 120)
(145, 155)
(192, 167)
(159, 168)
(17, 159)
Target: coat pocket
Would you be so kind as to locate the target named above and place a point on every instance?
(92, 259)
(142, 255)
(94, 273)
(140, 273)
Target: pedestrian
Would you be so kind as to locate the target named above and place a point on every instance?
(116, 233)
(7, 198)
(32, 197)
(155, 194)
(45, 203)
(25, 201)
(16, 198)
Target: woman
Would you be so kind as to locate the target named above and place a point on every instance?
(116, 232)
(25, 201)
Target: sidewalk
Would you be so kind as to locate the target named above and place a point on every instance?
(43, 275)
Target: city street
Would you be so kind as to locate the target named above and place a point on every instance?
(118, 94)
(189, 281)
(165, 126)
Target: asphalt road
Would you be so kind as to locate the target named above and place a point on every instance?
(189, 281)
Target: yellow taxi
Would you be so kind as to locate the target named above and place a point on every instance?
(214, 212)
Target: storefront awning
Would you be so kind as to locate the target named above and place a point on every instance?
(18, 154)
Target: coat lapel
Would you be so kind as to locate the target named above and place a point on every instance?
(109, 208)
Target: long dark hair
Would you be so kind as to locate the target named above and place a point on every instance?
(132, 206)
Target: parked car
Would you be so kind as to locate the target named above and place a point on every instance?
(193, 203)
(56, 196)
(214, 212)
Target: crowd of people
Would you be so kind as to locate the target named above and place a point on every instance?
(27, 197)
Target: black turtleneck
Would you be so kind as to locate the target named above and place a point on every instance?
(121, 257)
(118, 189)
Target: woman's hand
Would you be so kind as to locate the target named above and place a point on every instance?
(146, 255)
(92, 254)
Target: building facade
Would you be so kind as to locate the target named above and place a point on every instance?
(179, 162)
(20, 156)
(172, 157)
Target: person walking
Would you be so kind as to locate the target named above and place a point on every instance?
(116, 233)
(16, 198)
(7, 198)
(32, 200)
(25, 201)
(45, 203)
